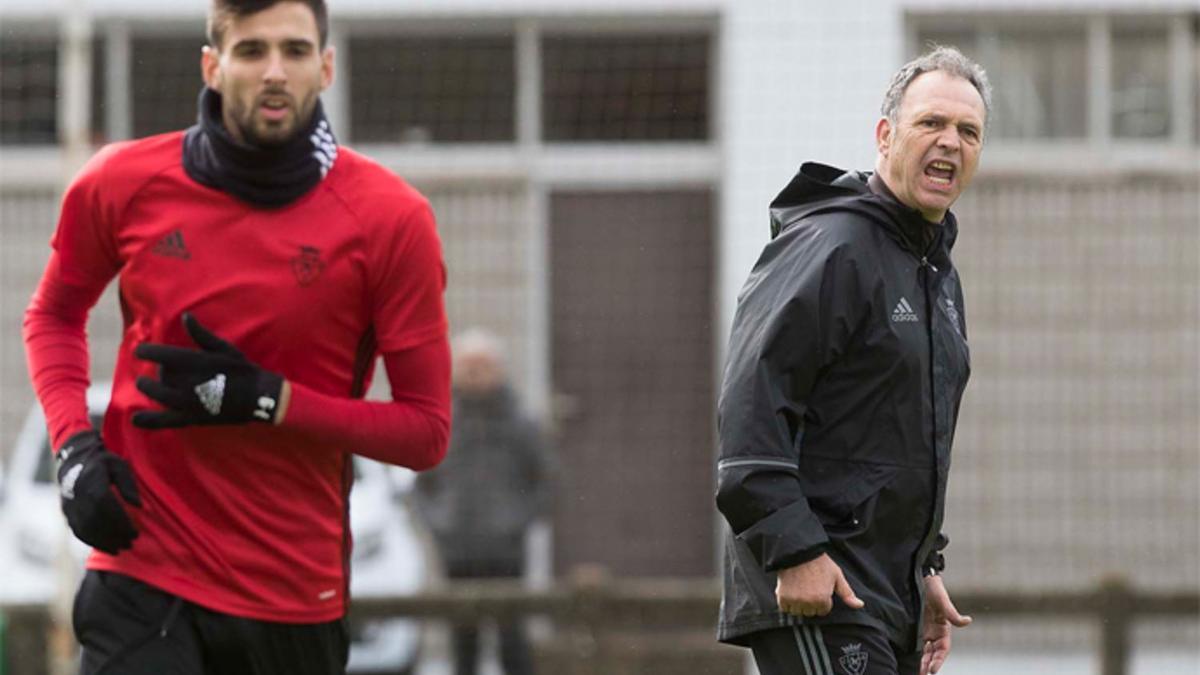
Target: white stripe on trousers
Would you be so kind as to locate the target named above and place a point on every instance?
(813, 654)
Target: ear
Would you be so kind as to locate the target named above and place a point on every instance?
(210, 67)
(327, 67)
(883, 136)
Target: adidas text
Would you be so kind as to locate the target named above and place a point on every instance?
(903, 312)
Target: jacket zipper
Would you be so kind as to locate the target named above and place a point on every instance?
(928, 270)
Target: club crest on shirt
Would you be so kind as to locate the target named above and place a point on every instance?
(952, 312)
(854, 659)
(308, 265)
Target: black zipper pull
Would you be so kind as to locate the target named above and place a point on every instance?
(925, 263)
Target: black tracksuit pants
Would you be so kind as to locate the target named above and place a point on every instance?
(834, 649)
(127, 627)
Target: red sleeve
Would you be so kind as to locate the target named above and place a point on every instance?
(407, 282)
(82, 263)
(412, 430)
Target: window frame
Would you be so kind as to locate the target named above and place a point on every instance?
(1100, 146)
(38, 31)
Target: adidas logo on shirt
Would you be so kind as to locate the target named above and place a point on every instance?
(903, 312)
(172, 246)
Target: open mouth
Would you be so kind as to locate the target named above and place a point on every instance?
(274, 108)
(940, 173)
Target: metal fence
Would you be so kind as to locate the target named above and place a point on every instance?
(664, 626)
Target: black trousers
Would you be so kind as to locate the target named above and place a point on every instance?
(127, 627)
(515, 655)
(835, 649)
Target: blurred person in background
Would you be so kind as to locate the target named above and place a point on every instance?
(494, 484)
(262, 269)
(847, 362)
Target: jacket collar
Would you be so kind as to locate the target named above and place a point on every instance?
(819, 188)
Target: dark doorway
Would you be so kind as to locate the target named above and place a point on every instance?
(632, 367)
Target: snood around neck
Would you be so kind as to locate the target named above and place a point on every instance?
(265, 176)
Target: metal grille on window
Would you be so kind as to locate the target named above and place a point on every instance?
(1082, 398)
(1141, 95)
(27, 216)
(432, 89)
(165, 83)
(486, 245)
(626, 88)
(28, 90)
(485, 239)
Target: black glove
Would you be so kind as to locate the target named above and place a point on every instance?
(215, 384)
(87, 471)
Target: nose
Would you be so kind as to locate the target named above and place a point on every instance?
(275, 71)
(949, 139)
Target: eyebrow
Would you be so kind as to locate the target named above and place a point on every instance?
(941, 117)
(286, 42)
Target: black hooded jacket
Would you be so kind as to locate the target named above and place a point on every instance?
(846, 365)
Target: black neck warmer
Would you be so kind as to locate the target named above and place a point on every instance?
(265, 176)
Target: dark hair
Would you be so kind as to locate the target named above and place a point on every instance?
(224, 11)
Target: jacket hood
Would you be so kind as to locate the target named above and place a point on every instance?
(819, 188)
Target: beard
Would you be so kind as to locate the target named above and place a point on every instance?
(271, 134)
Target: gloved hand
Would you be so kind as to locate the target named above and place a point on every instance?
(87, 472)
(215, 384)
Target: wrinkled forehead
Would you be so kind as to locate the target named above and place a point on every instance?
(945, 93)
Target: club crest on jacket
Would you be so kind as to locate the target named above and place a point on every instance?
(854, 659)
(308, 265)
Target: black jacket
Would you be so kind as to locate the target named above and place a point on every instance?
(493, 484)
(846, 365)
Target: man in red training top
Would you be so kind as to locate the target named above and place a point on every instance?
(262, 270)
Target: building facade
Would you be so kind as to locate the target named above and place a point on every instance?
(601, 172)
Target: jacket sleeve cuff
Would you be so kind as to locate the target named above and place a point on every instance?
(786, 538)
(935, 562)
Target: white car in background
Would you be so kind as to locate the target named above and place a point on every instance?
(389, 556)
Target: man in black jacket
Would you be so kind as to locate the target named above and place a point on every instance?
(847, 362)
(495, 483)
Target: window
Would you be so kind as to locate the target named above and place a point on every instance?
(1196, 79)
(1040, 82)
(1141, 94)
(626, 88)
(28, 90)
(439, 89)
(1038, 76)
(165, 83)
(1044, 78)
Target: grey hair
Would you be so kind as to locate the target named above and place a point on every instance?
(475, 341)
(943, 58)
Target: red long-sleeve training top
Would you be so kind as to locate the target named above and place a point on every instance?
(249, 520)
